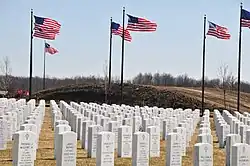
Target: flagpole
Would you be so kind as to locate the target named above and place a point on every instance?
(31, 52)
(203, 65)
(110, 56)
(44, 61)
(239, 62)
(122, 64)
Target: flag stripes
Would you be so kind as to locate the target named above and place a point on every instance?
(44, 35)
(140, 24)
(118, 30)
(218, 31)
(46, 28)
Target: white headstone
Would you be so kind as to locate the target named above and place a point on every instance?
(14, 121)
(231, 139)
(79, 127)
(136, 123)
(85, 129)
(182, 132)
(113, 127)
(9, 126)
(173, 150)
(125, 141)
(224, 131)
(106, 149)
(140, 153)
(243, 129)
(154, 141)
(59, 129)
(24, 148)
(248, 136)
(3, 133)
(67, 142)
(92, 139)
(240, 154)
(203, 154)
(30, 127)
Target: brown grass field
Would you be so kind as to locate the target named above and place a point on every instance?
(214, 96)
(45, 152)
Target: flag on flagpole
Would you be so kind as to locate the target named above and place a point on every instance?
(218, 31)
(118, 30)
(50, 49)
(47, 24)
(245, 18)
(46, 28)
(138, 24)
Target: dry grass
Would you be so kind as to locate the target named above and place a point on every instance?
(214, 96)
(45, 152)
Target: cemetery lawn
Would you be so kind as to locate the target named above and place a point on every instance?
(45, 152)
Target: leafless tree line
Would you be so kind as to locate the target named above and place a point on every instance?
(166, 79)
(225, 80)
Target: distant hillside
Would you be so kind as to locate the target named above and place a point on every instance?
(214, 96)
(133, 95)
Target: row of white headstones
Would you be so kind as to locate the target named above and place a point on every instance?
(233, 132)
(134, 132)
(21, 122)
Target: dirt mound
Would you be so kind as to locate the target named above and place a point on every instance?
(132, 95)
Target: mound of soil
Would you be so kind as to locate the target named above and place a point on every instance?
(132, 95)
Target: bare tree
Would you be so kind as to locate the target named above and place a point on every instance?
(105, 71)
(6, 79)
(231, 84)
(227, 80)
(232, 81)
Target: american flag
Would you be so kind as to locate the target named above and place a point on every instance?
(44, 35)
(118, 30)
(245, 18)
(50, 49)
(46, 28)
(218, 31)
(140, 24)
